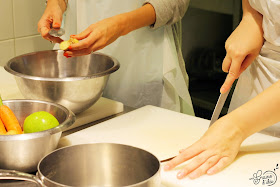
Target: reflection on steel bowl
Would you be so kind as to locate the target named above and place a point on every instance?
(76, 82)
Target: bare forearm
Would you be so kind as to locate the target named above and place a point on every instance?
(252, 17)
(61, 3)
(138, 18)
(259, 113)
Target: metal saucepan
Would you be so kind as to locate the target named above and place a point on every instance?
(97, 164)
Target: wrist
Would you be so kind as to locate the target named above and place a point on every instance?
(233, 126)
(61, 3)
(253, 18)
(124, 23)
(244, 124)
(141, 17)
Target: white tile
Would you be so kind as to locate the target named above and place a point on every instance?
(7, 51)
(31, 44)
(6, 19)
(27, 13)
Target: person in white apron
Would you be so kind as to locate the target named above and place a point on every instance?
(256, 99)
(152, 67)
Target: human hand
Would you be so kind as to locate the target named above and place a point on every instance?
(242, 47)
(96, 37)
(215, 150)
(51, 18)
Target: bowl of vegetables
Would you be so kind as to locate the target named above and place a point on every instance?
(22, 150)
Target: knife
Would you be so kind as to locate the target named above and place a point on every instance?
(219, 107)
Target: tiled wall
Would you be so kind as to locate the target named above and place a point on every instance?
(18, 28)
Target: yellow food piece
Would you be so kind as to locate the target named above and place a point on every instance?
(65, 44)
(73, 40)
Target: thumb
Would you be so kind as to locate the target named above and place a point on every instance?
(228, 83)
(232, 75)
(57, 19)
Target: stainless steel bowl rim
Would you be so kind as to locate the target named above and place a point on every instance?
(137, 184)
(70, 119)
(114, 68)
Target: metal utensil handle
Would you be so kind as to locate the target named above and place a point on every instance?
(219, 107)
(17, 175)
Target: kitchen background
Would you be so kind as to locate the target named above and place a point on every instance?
(206, 26)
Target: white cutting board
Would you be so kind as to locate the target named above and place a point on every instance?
(151, 128)
(164, 133)
(102, 108)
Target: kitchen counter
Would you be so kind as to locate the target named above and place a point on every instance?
(164, 132)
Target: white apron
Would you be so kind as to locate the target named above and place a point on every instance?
(149, 69)
(265, 70)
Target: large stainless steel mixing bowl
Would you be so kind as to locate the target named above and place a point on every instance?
(23, 152)
(76, 83)
(97, 164)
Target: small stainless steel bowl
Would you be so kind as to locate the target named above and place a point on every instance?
(23, 152)
(76, 82)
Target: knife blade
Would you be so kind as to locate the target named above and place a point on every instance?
(219, 107)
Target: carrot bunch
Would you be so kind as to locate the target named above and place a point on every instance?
(8, 122)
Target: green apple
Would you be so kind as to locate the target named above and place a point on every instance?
(39, 121)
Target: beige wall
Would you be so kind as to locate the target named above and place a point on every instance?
(18, 29)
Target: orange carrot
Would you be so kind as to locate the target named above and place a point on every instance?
(2, 128)
(9, 119)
